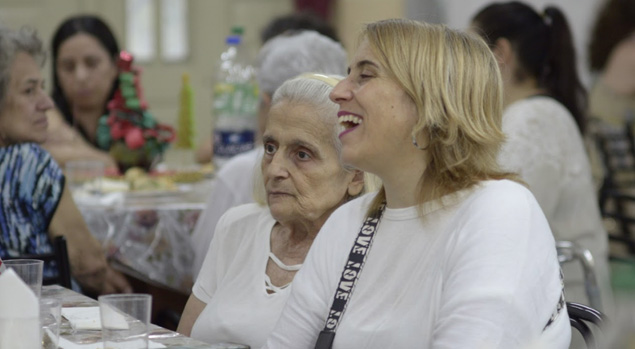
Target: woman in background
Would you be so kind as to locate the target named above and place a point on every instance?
(35, 204)
(612, 57)
(544, 120)
(84, 80)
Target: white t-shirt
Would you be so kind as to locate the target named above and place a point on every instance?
(233, 186)
(232, 281)
(544, 146)
(480, 273)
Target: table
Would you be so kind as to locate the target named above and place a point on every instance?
(157, 334)
(148, 235)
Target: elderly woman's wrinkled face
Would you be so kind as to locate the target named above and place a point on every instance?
(85, 71)
(303, 178)
(23, 111)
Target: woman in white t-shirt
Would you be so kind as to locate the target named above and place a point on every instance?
(462, 255)
(257, 250)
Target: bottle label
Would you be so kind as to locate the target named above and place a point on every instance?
(235, 99)
(228, 143)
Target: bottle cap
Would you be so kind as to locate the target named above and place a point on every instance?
(232, 40)
(238, 30)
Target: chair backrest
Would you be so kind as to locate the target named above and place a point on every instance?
(617, 194)
(60, 257)
(569, 251)
(579, 317)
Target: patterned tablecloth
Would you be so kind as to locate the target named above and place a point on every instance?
(147, 235)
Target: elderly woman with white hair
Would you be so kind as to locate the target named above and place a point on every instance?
(281, 58)
(257, 249)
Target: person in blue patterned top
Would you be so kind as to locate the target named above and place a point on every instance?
(35, 205)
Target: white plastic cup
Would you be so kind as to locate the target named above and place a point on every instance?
(124, 320)
(30, 271)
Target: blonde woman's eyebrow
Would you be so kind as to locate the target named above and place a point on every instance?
(363, 63)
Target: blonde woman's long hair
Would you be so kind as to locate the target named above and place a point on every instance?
(455, 83)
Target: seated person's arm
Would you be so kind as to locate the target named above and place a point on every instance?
(66, 144)
(88, 263)
(193, 309)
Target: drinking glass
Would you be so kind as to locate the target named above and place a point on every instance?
(30, 271)
(125, 319)
(50, 319)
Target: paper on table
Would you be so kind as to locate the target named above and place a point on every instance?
(66, 344)
(19, 313)
(88, 318)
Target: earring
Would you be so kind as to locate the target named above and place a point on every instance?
(414, 142)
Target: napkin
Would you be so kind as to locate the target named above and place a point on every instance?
(88, 318)
(19, 314)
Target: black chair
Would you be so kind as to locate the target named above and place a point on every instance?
(616, 145)
(580, 315)
(60, 257)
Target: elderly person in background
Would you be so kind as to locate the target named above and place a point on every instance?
(257, 250)
(35, 205)
(451, 252)
(282, 58)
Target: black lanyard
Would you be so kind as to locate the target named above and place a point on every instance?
(348, 280)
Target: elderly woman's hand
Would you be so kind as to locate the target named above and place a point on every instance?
(115, 282)
(103, 280)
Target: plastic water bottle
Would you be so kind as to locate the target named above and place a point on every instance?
(235, 105)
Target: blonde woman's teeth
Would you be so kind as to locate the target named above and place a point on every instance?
(349, 119)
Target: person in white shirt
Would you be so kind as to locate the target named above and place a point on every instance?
(281, 58)
(462, 255)
(257, 249)
(544, 119)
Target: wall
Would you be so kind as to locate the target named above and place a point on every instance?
(457, 14)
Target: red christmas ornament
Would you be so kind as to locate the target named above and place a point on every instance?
(125, 61)
(134, 138)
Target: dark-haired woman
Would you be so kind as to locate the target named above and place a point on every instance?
(84, 50)
(543, 120)
(612, 57)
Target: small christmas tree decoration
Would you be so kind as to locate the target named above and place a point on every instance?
(185, 129)
(129, 132)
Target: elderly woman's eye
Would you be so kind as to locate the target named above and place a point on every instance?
(270, 148)
(303, 155)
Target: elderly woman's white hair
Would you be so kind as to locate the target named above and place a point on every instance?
(314, 89)
(14, 41)
(291, 54)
